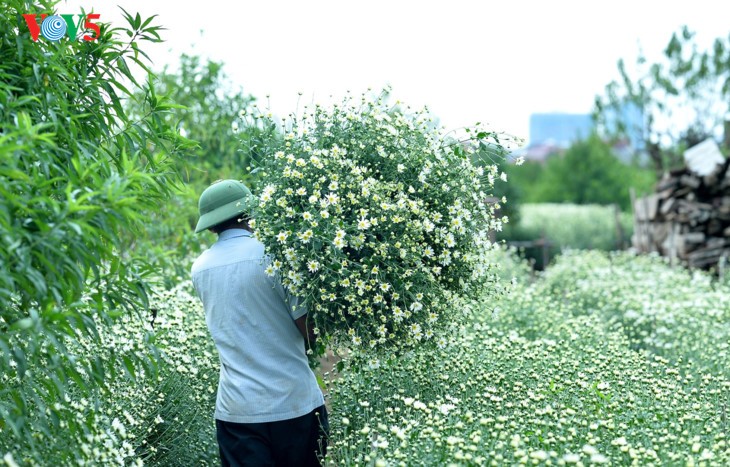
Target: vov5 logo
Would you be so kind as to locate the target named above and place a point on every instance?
(54, 27)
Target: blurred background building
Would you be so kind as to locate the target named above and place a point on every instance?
(553, 132)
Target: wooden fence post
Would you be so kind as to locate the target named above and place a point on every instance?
(638, 234)
(619, 228)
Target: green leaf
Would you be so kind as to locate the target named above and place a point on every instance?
(22, 324)
(129, 367)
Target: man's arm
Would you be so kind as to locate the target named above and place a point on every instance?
(306, 330)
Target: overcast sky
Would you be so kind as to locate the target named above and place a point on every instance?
(468, 61)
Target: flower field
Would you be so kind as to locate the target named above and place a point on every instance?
(154, 414)
(607, 358)
(449, 349)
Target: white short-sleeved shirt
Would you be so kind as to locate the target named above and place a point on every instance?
(264, 374)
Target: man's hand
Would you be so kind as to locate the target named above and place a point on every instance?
(304, 328)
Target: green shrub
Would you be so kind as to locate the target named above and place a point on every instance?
(569, 226)
(209, 114)
(582, 227)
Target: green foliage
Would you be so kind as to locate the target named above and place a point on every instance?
(207, 111)
(168, 241)
(587, 173)
(582, 227)
(77, 175)
(588, 180)
(523, 179)
(209, 114)
(687, 81)
(569, 226)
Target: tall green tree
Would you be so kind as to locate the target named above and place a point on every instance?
(78, 175)
(682, 98)
(588, 173)
(210, 114)
(210, 111)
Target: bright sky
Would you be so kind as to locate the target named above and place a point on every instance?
(468, 61)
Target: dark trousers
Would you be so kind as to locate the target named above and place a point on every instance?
(296, 442)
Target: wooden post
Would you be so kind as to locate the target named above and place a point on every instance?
(619, 227)
(722, 265)
(649, 236)
(638, 234)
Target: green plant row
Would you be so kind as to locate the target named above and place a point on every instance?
(574, 368)
(141, 417)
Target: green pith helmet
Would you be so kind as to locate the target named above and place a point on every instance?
(223, 200)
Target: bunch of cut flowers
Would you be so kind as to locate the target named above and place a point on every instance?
(377, 219)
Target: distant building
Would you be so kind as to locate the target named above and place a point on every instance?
(559, 129)
(553, 133)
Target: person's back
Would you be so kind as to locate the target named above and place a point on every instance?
(265, 375)
(269, 408)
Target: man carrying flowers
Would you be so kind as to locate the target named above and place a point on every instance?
(269, 408)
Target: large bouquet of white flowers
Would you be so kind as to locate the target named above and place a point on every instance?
(376, 219)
